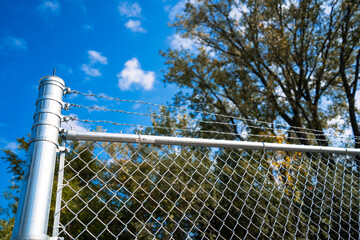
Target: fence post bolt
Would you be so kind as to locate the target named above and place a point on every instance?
(33, 210)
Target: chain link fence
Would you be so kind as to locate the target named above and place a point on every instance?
(146, 191)
(187, 174)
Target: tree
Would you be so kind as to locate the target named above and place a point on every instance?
(16, 163)
(349, 60)
(294, 61)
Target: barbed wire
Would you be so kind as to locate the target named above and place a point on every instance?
(308, 132)
(195, 121)
(191, 110)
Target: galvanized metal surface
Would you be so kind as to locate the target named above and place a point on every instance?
(133, 138)
(33, 211)
(59, 190)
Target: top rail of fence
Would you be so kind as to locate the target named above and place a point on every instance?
(182, 141)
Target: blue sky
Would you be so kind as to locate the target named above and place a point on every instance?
(110, 47)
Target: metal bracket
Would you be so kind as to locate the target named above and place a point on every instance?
(62, 133)
(66, 106)
(63, 149)
(65, 118)
(67, 90)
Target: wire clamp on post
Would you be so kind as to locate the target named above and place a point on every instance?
(64, 149)
(67, 90)
(264, 150)
(65, 118)
(138, 140)
(66, 106)
(56, 238)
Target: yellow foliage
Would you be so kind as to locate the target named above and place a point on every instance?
(287, 167)
(280, 138)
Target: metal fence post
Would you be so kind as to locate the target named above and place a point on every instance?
(33, 211)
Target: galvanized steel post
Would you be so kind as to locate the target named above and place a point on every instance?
(33, 211)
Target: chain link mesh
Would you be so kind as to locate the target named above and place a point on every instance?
(141, 191)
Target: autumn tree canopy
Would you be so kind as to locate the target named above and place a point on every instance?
(291, 61)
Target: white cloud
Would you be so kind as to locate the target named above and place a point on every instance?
(87, 27)
(132, 74)
(12, 146)
(91, 98)
(176, 10)
(327, 10)
(130, 10)
(357, 99)
(90, 71)
(137, 106)
(235, 13)
(337, 137)
(50, 6)
(95, 57)
(15, 43)
(178, 42)
(5, 144)
(135, 26)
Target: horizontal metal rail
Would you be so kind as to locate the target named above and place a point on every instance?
(148, 139)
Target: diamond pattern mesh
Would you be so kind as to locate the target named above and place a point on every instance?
(137, 191)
